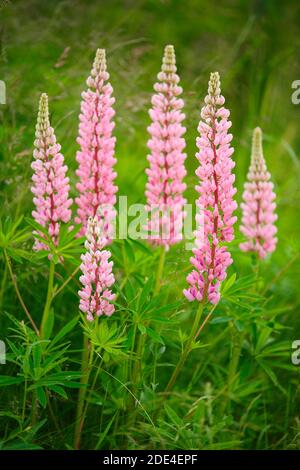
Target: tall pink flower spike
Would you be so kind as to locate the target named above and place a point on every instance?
(50, 183)
(258, 206)
(165, 187)
(97, 276)
(97, 191)
(216, 192)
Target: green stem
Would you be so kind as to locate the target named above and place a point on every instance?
(85, 369)
(99, 368)
(48, 299)
(15, 284)
(160, 270)
(53, 416)
(3, 284)
(24, 402)
(70, 278)
(187, 348)
(34, 408)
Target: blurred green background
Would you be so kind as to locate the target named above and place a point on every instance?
(49, 46)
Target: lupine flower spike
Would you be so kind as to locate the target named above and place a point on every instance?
(165, 187)
(97, 276)
(50, 183)
(211, 257)
(259, 204)
(97, 191)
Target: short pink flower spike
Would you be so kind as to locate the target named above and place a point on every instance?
(97, 191)
(50, 183)
(211, 257)
(259, 204)
(97, 276)
(165, 187)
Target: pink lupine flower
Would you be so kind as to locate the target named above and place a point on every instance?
(97, 276)
(50, 183)
(216, 192)
(97, 191)
(165, 187)
(259, 205)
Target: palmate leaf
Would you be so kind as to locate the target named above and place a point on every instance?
(106, 338)
(11, 236)
(64, 378)
(69, 246)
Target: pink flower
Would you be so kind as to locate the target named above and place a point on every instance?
(258, 206)
(165, 187)
(97, 276)
(97, 191)
(216, 192)
(50, 183)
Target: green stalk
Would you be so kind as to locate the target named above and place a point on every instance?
(85, 369)
(24, 402)
(99, 368)
(34, 408)
(48, 299)
(160, 270)
(3, 284)
(187, 348)
(15, 284)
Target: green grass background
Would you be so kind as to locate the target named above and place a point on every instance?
(255, 47)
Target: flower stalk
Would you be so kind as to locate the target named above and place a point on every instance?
(97, 190)
(165, 186)
(258, 204)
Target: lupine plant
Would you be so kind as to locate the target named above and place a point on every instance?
(259, 204)
(96, 155)
(215, 204)
(165, 186)
(51, 190)
(181, 349)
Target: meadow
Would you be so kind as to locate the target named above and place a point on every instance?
(238, 387)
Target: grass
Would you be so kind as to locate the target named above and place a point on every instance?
(215, 402)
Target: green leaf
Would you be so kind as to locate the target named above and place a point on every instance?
(142, 247)
(41, 396)
(155, 336)
(104, 434)
(173, 416)
(142, 328)
(272, 376)
(145, 292)
(6, 380)
(65, 330)
(129, 252)
(220, 319)
(226, 286)
(59, 390)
